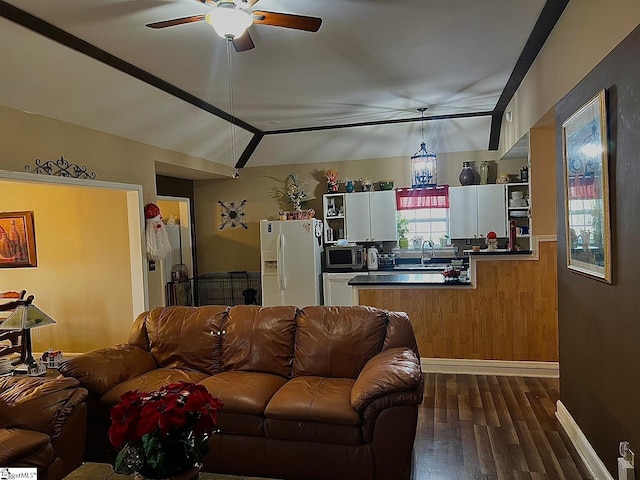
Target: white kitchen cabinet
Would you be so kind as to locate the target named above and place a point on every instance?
(463, 212)
(336, 290)
(371, 216)
(475, 210)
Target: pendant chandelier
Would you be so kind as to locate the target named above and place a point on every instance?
(423, 163)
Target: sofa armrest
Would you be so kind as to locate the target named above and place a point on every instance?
(102, 369)
(391, 371)
(39, 404)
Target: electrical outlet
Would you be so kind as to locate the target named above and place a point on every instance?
(626, 462)
(625, 470)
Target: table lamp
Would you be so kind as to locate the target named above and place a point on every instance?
(26, 317)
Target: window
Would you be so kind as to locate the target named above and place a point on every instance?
(428, 223)
(426, 211)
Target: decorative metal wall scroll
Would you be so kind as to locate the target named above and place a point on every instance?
(61, 168)
(232, 215)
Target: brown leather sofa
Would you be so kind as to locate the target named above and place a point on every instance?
(315, 393)
(42, 424)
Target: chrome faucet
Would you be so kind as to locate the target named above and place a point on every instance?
(433, 253)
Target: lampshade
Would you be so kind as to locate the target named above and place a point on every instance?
(26, 317)
(229, 21)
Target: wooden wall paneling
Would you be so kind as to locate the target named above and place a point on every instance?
(511, 315)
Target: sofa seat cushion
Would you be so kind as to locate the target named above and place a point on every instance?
(151, 381)
(245, 396)
(315, 409)
(26, 448)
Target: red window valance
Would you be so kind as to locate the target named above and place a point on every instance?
(428, 197)
(583, 187)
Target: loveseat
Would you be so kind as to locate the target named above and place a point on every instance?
(42, 424)
(313, 393)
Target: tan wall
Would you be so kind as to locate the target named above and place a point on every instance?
(587, 31)
(26, 137)
(84, 285)
(543, 181)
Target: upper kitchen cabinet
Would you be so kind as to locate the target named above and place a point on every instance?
(371, 216)
(476, 210)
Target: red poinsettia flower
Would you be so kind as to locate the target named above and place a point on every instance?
(165, 418)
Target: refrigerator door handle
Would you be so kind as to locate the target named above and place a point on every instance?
(282, 277)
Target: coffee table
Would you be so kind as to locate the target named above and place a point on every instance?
(104, 471)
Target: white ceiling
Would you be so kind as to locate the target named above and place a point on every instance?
(371, 61)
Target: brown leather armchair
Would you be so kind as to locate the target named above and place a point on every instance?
(42, 424)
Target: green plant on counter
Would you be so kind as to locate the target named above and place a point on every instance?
(403, 231)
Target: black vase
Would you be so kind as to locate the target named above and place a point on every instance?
(469, 175)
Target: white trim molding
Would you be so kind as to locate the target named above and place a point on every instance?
(490, 367)
(588, 455)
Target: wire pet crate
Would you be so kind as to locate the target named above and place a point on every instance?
(228, 288)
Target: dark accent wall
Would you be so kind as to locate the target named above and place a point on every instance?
(180, 187)
(599, 324)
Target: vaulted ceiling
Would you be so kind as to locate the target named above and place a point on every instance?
(349, 91)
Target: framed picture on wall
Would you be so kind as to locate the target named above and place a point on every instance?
(17, 240)
(586, 190)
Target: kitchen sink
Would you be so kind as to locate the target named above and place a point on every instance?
(411, 266)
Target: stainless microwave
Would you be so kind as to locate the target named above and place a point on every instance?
(345, 256)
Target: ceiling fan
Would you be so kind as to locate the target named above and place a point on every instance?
(230, 19)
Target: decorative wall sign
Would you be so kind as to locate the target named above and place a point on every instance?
(61, 168)
(232, 214)
(17, 240)
(586, 190)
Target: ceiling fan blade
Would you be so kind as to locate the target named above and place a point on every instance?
(243, 42)
(297, 22)
(176, 21)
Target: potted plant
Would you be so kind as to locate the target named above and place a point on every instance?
(163, 434)
(403, 231)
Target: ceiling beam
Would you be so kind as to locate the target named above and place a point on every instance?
(378, 122)
(548, 18)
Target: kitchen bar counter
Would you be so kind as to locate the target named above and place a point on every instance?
(508, 311)
(399, 279)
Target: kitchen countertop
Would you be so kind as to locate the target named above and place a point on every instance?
(500, 251)
(406, 280)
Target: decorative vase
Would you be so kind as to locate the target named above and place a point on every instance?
(349, 186)
(191, 474)
(468, 175)
(403, 243)
(332, 187)
(484, 173)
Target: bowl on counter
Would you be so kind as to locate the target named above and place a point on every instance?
(386, 184)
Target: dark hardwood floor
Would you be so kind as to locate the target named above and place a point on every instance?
(483, 427)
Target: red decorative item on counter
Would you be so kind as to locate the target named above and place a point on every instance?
(492, 235)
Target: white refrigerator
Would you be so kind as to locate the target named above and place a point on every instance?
(291, 262)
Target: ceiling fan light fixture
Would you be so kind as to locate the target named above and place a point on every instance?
(229, 21)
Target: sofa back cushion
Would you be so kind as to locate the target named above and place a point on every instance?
(337, 341)
(258, 339)
(185, 337)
